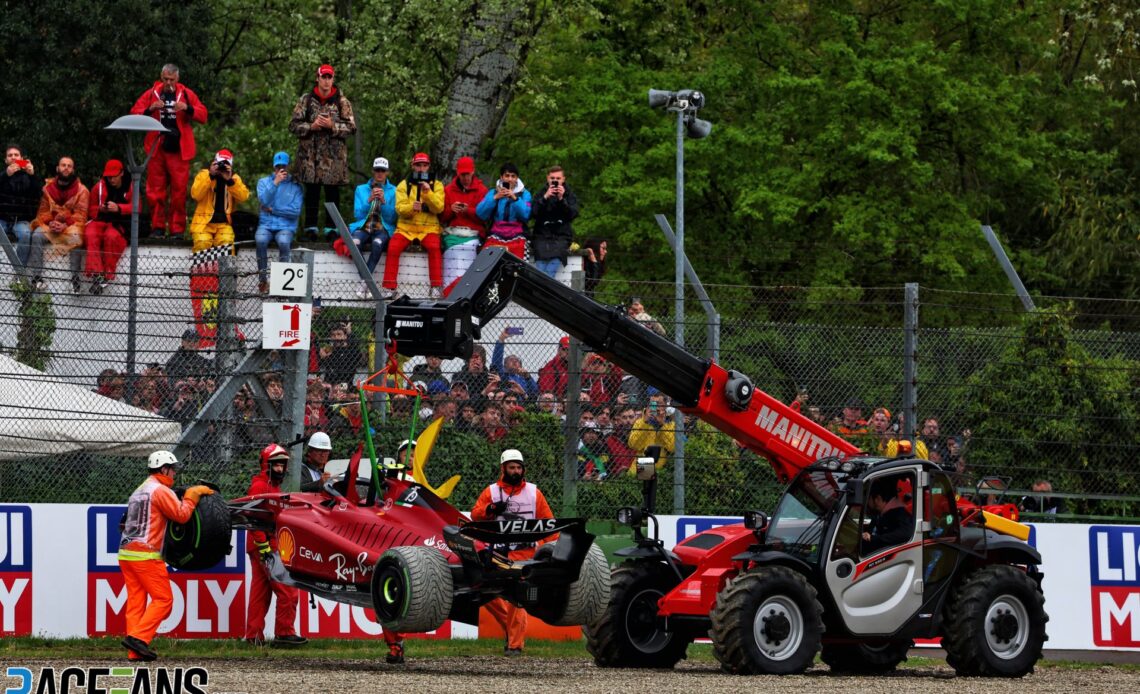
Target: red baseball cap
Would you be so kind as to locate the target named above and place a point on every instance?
(114, 167)
(326, 70)
(564, 343)
(421, 158)
(465, 165)
(224, 155)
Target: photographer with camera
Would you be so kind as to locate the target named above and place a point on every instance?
(557, 207)
(374, 207)
(322, 121)
(177, 107)
(217, 190)
(419, 202)
(20, 190)
(462, 228)
(507, 209)
(280, 199)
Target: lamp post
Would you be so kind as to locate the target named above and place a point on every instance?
(130, 126)
(685, 104)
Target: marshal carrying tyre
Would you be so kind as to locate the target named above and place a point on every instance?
(767, 621)
(995, 623)
(865, 658)
(204, 540)
(412, 589)
(626, 634)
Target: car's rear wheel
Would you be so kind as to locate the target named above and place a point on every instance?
(412, 589)
(587, 597)
(204, 540)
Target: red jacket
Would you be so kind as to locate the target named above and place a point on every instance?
(622, 457)
(552, 377)
(261, 484)
(195, 111)
(472, 196)
(99, 195)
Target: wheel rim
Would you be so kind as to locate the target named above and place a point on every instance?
(641, 622)
(1007, 627)
(390, 593)
(778, 627)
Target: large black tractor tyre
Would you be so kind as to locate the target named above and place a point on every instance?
(412, 589)
(767, 621)
(626, 634)
(204, 540)
(865, 658)
(995, 624)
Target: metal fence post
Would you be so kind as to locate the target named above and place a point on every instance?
(910, 360)
(297, 377)
(573, 409)
(226, 346)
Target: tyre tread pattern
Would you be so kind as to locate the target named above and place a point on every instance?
(606, 638)
(187, 550)
(732, 619)
(588, 596)
(429, 586)
(964, 637)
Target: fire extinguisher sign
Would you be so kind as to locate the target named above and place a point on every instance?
(286, 326)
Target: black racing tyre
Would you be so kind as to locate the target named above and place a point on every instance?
(204, 540)
(994, 623)
(626, 635)
(767, 621)
(412, 589)
(587, 597)
(865, 658)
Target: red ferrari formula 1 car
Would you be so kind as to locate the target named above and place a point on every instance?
(417, 561)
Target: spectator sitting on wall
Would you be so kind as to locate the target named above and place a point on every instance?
(186, 361)
(59, 222)
(109, 217)
(279, 197)
(374, 206)
(462, 228)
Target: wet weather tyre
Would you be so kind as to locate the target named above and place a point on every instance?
(626, 634)
(864, 658)
(204, 540)
(412, 589)
(995, 624)
(587, 597)
(767, 621)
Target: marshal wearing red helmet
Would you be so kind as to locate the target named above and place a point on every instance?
(260, 548)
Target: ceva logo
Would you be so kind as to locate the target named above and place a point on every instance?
(1115, 574)
(15, 570)
(206, 603)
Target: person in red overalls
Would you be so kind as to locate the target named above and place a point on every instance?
(177, 107)
(511, 496)
(259, 546)
(151, 505)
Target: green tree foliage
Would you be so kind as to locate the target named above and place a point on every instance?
(1046, 399)
(70, 70)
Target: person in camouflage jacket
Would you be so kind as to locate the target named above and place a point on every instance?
(322, 120)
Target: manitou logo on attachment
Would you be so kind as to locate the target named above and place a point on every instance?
(1114, 553)
(15, 570)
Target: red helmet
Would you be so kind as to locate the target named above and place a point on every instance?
(273, 452)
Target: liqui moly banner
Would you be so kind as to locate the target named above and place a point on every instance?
(15, 570)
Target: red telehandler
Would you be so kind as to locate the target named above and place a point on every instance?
(862, 554)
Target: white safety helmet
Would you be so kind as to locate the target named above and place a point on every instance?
(511, 455)
(160, 459)
(320, 441)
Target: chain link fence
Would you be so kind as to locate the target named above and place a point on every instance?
(840, 350)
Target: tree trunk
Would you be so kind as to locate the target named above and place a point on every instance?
(491, 53)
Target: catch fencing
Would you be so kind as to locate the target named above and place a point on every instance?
(973, 363)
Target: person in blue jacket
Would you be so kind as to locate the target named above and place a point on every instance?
(507, 208)
(374, 209)
(280, 197)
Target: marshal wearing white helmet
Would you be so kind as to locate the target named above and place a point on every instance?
(313, 475)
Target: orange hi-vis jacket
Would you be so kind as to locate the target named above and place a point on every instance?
(148, 510)
(524, 500)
